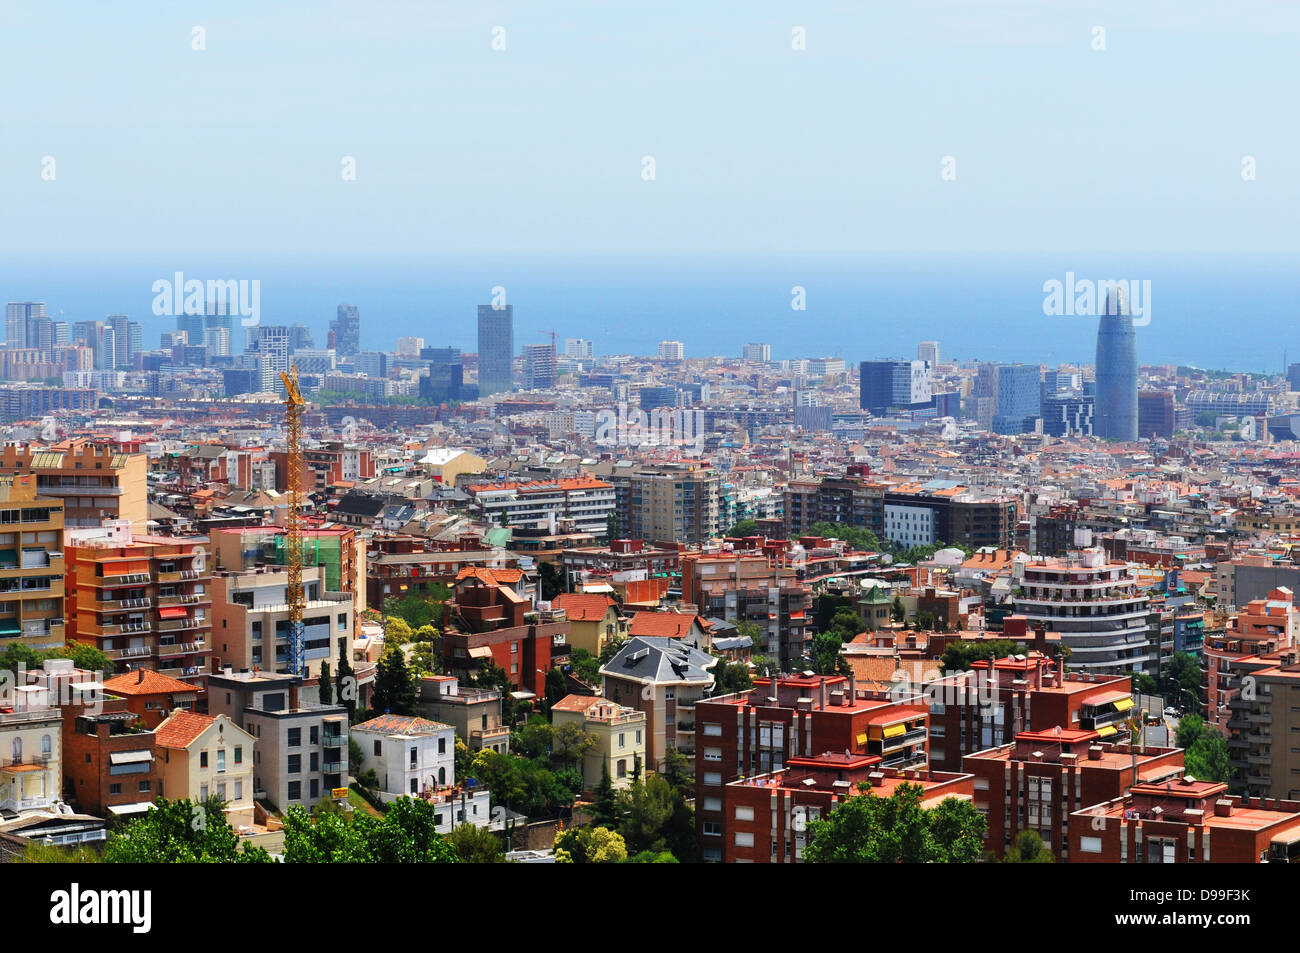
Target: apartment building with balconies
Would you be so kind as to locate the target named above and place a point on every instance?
(1186, 821)
(475, 713)
(300, 749)
(250, 621)
(96, 483)
(31, 759)
(797, 716)
(767, 815)
(145, 601)
(1096, 607)
(31, 565)
(620, 735)
(1043, 779)
(1257, 637)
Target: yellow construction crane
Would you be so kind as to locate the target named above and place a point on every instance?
(293, 411)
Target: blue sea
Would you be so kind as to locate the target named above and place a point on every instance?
(1237, 313)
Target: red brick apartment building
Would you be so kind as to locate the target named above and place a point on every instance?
(1044, 778)
(758, 732)
(110, 764)
(1184, 821)
(972, 711)
(767, 815)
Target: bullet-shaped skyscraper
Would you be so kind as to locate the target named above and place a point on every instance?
(1116, 413)
(496, 348)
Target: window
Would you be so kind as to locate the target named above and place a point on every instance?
(442, 745)
(314, 734)
(713, 803)
(294, 764)
(221, 759)
(239, 754)
(744, 813)
(295, 738)
(239, 790)
(295, 790)
(379, 749)
(415, 786)
(744, 839)
(315, 789)
(622, 767)
(115, 789)
(622, 739)
(315, 761)
(711, 829)
(221, 790)
(203, 792)
(415, 756)
(203, 759)
(713, 778)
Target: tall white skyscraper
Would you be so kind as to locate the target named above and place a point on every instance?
(928, 351)
(757, 352)
(671, 351)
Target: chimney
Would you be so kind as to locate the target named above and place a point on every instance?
(293, 695)
(853, 686)
(1223, 808)
(1094, 752)
(821, 693)
(139, 678)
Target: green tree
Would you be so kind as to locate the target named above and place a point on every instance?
(180, 832)
(550, 580)
(394, 686)
(1029, 849)
(556, 688)
(589, 845)
(826, 658)
(730, 677)
(346, 683)
(872, 829)
(477, 845)
(959, 655)
(37, 852)
(652, 857)
(586, 667)
(356, 757)
(1205, 749)
(84, 656)
(898, 611)
(654, 816)
(677, 770)
(742, 529)
(605, 805)
(570, 743)
(613, 528)
(533, 740)
(396, 631)
(325, 683)
(405, 834)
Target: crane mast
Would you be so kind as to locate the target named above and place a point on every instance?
(294, 406)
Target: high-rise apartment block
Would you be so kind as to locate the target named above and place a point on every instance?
(346, 328)
(95, 483)
(145, 601)
(889, 386)
(496, 349)
(31, 565)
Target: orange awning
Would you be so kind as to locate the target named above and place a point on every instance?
(171, 612)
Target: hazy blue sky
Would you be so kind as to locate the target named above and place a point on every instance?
(759, 148)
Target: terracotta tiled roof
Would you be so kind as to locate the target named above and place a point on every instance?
(153, 683)
(665, 625)
(400, 725)
(181, 728)
(579, 702)
(583, 606)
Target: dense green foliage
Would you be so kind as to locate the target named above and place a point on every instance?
(871, 829)
(182, 832)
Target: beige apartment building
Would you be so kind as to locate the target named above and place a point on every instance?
(95, 483)
(31, 565)
(250, 621)
(620, 734)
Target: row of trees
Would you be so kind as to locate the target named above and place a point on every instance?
(191, 832)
